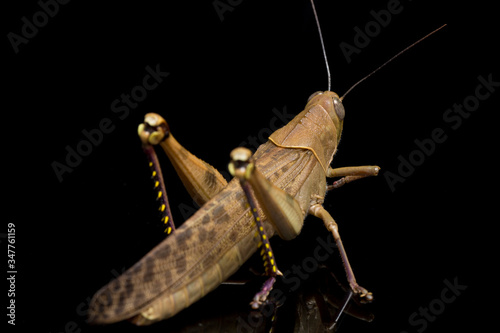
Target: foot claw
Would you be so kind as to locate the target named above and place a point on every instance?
(364, 294)
(261, 297)
(258, 300)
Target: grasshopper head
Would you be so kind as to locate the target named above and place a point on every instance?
(332, 103)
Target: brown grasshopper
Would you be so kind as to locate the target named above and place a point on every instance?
(271, 193)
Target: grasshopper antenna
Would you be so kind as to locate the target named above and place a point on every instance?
(394, 57)
(322, 45)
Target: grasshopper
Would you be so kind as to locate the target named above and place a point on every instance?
(272, 192)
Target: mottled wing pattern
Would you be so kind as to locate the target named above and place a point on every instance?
(175, 260)
(215, 228)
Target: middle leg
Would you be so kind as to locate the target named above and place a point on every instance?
(319, 211)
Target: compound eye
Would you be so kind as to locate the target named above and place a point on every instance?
(314, 95)
(339, 108)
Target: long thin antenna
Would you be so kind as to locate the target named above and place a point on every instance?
(322, 45)
(394, 57)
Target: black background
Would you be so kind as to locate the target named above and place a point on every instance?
(225, 79)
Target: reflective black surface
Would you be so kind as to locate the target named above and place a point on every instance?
(421, 236)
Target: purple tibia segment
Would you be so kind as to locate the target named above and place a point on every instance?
(159, 186)
(266, 251)
(261, 296)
